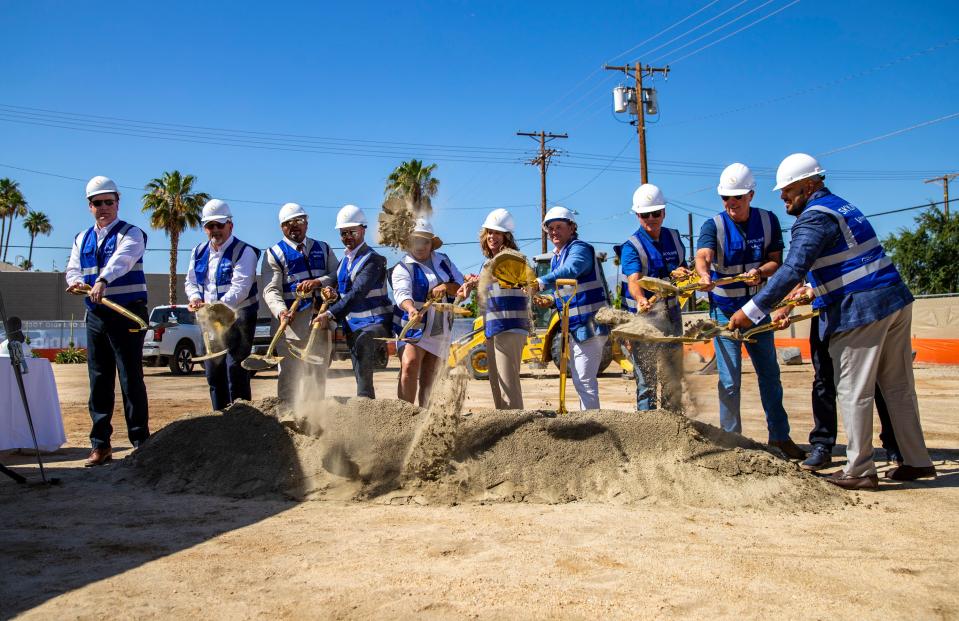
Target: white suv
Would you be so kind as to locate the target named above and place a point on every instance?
(174, 338)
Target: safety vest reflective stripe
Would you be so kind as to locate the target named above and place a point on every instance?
(845, 255)
(850, 277)
(125, 289)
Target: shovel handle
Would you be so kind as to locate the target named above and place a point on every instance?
(283, 325)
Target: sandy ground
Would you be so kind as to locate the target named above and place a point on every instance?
(90, 549)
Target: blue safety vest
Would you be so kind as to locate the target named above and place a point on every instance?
(653, 262)
(224, 271)
(376, 307)
(126, 289)
(421, 290)
(590, 292)
(736, 254)
(297, 268)
(856, 262)
(506, 309)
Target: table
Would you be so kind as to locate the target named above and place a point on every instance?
(44, 402)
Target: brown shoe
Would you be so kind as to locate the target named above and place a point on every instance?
(787, 446)
(99, 456)
(841, 479)
(906, 472)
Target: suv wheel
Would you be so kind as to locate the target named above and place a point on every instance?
(181, 363)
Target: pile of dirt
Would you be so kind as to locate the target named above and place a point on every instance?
(389, 451)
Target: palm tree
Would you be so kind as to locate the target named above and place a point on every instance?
(13, 205)
(36, 223)
(174, 207)
(414, 182)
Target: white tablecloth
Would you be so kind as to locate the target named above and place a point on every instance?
(41, 390)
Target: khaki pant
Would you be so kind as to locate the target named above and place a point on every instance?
(504, 355)
(880, 352)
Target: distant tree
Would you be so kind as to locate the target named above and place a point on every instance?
(12, 206)
(173, 207)
(25, 265)
(36, 223)
(925, 253)
(415, 182)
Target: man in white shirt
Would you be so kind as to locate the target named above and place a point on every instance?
(297, 263)
(108, 257)
(223, 269)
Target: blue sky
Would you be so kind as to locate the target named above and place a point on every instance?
(332, 96)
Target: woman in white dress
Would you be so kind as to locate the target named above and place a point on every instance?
(420, 275)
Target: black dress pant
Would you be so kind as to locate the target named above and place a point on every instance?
(825, 424)
(362, 344)
(227, 379)
(113, 349)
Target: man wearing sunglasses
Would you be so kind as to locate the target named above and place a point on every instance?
(108, 257)
(656, 251)
(363, 308)
(865, 312)
(223, 269)
(295, 264)
(743, 239)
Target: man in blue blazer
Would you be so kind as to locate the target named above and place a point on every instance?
(363, 306)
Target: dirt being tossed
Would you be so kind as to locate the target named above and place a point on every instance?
(359, 449)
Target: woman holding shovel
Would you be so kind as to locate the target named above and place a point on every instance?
(421, 277)
(506, 315)
(575, 259)
(656, 251)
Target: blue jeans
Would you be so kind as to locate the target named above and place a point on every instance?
(645, 357)
(729, 362)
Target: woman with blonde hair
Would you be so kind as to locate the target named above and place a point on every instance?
(506, 315)
(423, 274)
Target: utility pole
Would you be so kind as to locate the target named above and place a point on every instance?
(542, 160)
(944, 180)
(639, 72)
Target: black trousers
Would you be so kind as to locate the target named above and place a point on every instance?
(227, 379)
(362, 344)
(113, 349)
(825, 423)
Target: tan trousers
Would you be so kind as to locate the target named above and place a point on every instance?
(880, 352)
(504, 355)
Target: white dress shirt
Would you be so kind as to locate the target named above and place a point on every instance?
(244, 275)
(129, 250)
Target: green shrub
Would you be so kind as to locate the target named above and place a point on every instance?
(71, 356)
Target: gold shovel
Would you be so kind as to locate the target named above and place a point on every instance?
(257, 362)
(564, 322)
(219, 317)
(84, 289)
(305, 354)
(774, 325)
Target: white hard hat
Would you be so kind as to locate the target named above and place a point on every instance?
(423, 228)
(647, 198)
(216, 210)
(290, 211)
(558, 213)
(499, 220)
(350, 215)
(736, 180)
(101, 185)
(796, 167)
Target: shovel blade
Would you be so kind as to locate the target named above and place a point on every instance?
(255, 362)
(306, 357)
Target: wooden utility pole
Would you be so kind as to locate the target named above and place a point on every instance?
(639, 72)
(944, 180)
(542, 160)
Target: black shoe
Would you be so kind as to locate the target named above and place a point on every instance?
(894, 456)
(820, 457)
(911, 473)
(789, 448)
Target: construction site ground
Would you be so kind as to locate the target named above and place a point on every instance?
(89, 549)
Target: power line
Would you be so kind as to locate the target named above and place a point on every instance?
(716, 29)
(893, 133)
(735, 32)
